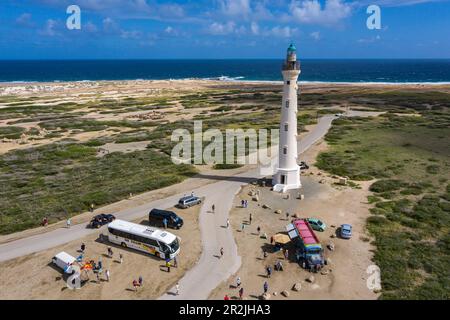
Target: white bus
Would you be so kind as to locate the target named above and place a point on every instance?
(160, 243)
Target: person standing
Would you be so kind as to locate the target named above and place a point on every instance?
(226, 298)
(175, 262)
(250, 218)
(258, 230)
(83, 247)
(68, 223)
(177, 289)
(241, 293)
(120, 258)
(135, 285)
(228, 223)
(242, 227)
(269, 271)
(165, 223)
(213, 208)
(110, 252)
(287, 216)
(221, 252)
(141, 281)
(100, 264)
(107, 274)
(286, 254)
(265, 286)
(168, 265)
(238, 282)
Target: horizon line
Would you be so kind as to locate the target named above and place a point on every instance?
(212, 59)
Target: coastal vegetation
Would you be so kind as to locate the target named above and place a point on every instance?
(407, 157)
(63, 179)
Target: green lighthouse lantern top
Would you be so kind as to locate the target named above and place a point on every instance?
(291, 62)
(292, 49)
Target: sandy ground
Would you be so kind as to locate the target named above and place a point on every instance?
(34, 277)
(346, 273)
(91, 91)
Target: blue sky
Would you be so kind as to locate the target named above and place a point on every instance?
(155, 29)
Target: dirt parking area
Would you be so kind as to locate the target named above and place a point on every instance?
(345, 275)
(34, 277)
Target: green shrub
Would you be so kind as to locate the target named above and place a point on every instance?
(386, 185)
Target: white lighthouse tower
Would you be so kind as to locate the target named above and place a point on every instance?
(288, 172)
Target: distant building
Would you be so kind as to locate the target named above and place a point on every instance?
(287, 175)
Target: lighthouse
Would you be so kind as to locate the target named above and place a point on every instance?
(287, 174)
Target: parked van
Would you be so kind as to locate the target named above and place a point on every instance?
(189, 201)
(64, 261)
(157, 216)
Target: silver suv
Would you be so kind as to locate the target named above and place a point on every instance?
(189, 201)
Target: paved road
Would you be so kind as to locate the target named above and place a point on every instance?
(210, 271)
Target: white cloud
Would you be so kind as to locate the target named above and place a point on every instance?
(24, 20)
(50, 28)
(282, 32)
(254, 27)
(172, 32)
(394, 3)
(235, 7)
(90, 27)
(218, 28)
(311, 11)
(369, 40)
(133, 34)
(110, 26)
(315, 35)
(127, 9)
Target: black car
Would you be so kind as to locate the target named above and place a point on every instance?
(303, 166)
(158, 217)
(101, 220)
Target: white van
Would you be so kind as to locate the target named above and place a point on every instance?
(64, 261)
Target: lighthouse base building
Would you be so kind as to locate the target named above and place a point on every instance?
(287, 174)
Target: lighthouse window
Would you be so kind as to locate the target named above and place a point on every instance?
(287, 103)
(284, 150)
(286, 127)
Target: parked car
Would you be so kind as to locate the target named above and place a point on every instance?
(303, 165)
(64, 261)
(189, 201)
(157, 216)
(316, 224)
(346, 231)
(101, 220)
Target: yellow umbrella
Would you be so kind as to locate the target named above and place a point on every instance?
(281, 238)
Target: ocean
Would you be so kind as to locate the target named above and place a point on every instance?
(354, 71)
